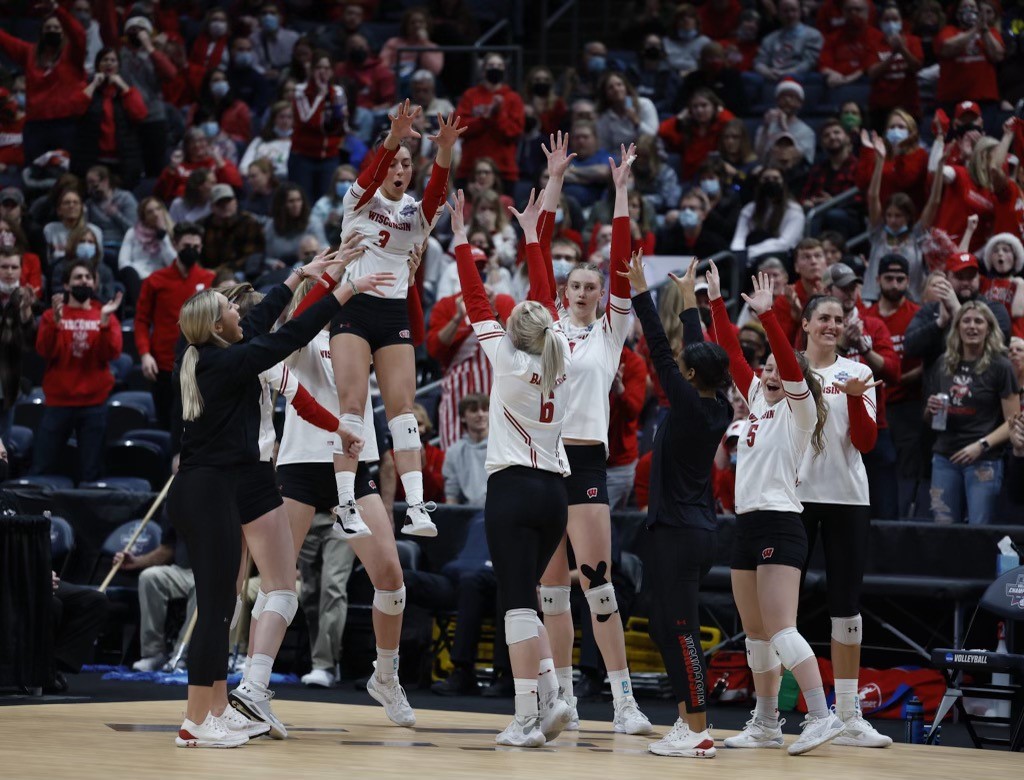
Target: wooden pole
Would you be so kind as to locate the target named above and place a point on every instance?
(145, 520)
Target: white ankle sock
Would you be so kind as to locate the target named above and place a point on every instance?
(346, 481)
(547, 681)
(815, 699)
(621, 684)
(412, 481)
(526, 698)
(259, 669)
(387, 664)
(847, 696)
(767, 708)
(564, 675)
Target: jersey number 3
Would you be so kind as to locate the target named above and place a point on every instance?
(383, 238)
(547, 409)
(751, 435)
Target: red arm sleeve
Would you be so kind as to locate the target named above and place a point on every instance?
(143, 319)
(415, 307)
(473, 294)
(106, 15)
(373, 174)
(76, 38)
(865, 167)
(863, 430)
(312, 412)
(622, 243)
(434, 194)
(318, 292)
(16, 49)
(545, 232)
(539, 289)
(134, 105)
(785, 357)
(725, 336)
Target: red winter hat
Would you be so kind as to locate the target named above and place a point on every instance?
(966, 107)
(961, 262)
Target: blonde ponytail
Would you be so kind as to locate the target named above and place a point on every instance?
(197, 318)
(191, 399)
(552, 362)
(529, 329)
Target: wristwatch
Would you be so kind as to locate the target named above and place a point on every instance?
(985, 446)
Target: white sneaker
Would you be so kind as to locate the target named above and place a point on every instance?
(211, 733)
(680, 742)
(857, 732)
(629, 719)
(253, 699)
(418, 522)
(392, 695)
(816, 732)
(555, 714)
(522, 733)
(153, 663)
(319, 678)
(349, 524)
(574, 715)
(758, 733)
(238, 723)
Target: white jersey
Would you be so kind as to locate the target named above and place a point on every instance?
(525, 427)
(390, 230)
(273, 381)
(771, 447)
(303, 442)
(838, 476)
(596, 351)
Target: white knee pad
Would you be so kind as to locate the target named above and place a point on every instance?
(791, 648)
(390, 602)
(405, 433)
(237, 613)
(760, 657)
(284, 602)
(554, 599)
(848, 630)
(353, 423)
(259, 605)
(520, 625)
(602, 600)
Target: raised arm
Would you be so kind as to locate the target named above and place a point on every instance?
(559, 160)
(474, 296)
(436, 192)
(618, 304)
(725, 336)
(540, 289)
(692, 331)
(876, 215)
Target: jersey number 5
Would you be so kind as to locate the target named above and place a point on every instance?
(383, 238)
(751, 435)
(547, 409)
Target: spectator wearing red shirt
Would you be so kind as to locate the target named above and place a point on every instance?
(494, 116)
(719, 18)
(809, 264)
(320, 116)
(967, 190)
(903, 409)
(968, 53)
(54, 69)
(78, 338)
(845, 56)
(695, 132)
(108, 132)
(371, 80)
(210, 48)
(12, 123)
(156, 313)
(892, 69)
(865, 339)
(1003, 259)
(197, 153)
(219, 105)
(12, 239)
(1009, 206)
(831, 15)
(905, 169)
(628, 393)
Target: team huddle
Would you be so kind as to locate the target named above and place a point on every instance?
(553, 361)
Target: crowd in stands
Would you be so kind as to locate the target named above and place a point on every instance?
(866, 150)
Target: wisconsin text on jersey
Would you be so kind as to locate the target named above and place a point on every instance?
(382, 219)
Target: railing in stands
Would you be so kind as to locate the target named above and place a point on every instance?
(843, 197)
(736, 262)
(498, 26)
(549, 19)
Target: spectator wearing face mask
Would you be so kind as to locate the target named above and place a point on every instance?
(893, 67)
(70, 215)
(372, 81)
(83, 247)
(772, 222)
(494, 116)
(272, 43)
(82, 11)
(653, 77)
(249, 83)
(329, 210)
(968, 51)
(78, 337)
(683, 47)
(220, 111)
(687, 234)
(274, 143)
(210, 48)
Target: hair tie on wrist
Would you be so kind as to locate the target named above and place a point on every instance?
(352, 284)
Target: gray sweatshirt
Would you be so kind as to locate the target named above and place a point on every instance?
(465, 478)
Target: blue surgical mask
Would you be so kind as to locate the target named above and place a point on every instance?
(210, 128)
(19, 98)
(85, 251)
(559, 216)
(270, 22)
(341, 188)
(897, 135)
(689, 218)
(219, 88)
(245, 59)
(687, 35)
(597, 64)
(896, 233)
(889, 29)
(711, 187)
(562, 268)
(283, 133)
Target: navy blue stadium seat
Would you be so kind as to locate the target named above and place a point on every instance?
(28, 410)
(154, 435)
(128, 484)
(19, 448)
(140, 398)
(62, 542)
(139, 458)
(123, 417)
(121, 367)
(45, 481)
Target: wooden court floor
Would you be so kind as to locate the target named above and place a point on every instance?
(135, 740)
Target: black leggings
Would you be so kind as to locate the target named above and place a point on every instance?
(844, 537)
(675, 560)
(525, 515)
(203, 505)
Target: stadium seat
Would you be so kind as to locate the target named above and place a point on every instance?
(154, 435)
(42, 481)
(28, 410)
(19, 448)
(128, 340)
(129, 484)
(141, 398)
(121, 367)
(138, 458)
(62, 542)
(123, 417)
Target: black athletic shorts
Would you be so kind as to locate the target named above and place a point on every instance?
(588, 482)
(845, 530)
(766, 537)
(380, 322)
(257, 491)
(313, 484)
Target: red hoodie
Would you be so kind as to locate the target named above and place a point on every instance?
(47, 90)
(319, 121)
(78, 351)
(491, 131)
(160, 300)
(624, 418)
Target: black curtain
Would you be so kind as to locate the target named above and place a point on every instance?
(26, 589)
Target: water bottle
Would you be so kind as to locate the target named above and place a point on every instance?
(914, 714)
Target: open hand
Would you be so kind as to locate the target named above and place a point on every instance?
(635, 272)
(457, 208)
(687, 284)
(448, 131)
(620, 172)
(558, 155)
(530, 215)
(763, 296)
(714, 282)
(402, 121)
(373, 282)
(855, 385)
(111, 306)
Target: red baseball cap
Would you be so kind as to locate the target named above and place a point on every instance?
(479, 255)
(966, 107)
(961, 262)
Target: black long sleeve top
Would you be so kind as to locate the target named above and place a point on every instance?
(685, 444)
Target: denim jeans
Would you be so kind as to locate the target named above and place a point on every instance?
(620, 484)
(88, 423)
(880, 465)
(311, 174)
(978, 483)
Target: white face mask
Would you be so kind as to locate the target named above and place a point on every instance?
(8, 288)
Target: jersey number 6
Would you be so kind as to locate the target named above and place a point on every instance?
(384, 236)
(751, 435)
(547, 409)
